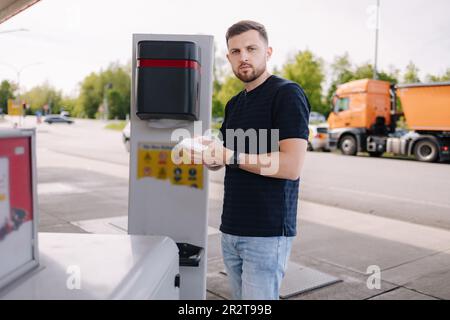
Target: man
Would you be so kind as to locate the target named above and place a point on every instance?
(262, 182)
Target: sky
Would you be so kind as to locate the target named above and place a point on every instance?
(67, 40)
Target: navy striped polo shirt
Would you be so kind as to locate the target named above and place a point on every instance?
(256, 205)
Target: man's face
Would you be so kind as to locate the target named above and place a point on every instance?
(248, 55)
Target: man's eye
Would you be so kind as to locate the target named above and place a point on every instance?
(251, 49)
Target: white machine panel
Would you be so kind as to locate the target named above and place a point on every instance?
(165, 199)
(93, 266)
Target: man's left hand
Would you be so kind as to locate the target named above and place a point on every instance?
(216, 154)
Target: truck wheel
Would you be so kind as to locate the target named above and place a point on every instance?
(375, 154)
(348, 146)
(310, 147)
(426, 151)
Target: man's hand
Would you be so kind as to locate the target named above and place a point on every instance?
(287, 163)
(216, 155)
(213, 154)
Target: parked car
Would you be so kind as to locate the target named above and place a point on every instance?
(217, 120)
(57, 118)
(318, 137)
(126, 136)
(316, 117)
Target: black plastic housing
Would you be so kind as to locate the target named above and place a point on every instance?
(168, 80)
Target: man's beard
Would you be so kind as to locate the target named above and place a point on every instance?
(249, 76)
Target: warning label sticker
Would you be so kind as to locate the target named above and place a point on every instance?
(154, 161)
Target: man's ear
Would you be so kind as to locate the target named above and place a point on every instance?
(228, 58)
(269, 53)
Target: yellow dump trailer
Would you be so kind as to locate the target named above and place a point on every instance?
(426, 107)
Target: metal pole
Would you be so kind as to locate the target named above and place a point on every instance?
(105, 99)
(19, 71)
(375, 66)
(106, 107)
(105, 104)
(18, 98)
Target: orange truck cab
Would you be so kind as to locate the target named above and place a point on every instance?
(365, 115)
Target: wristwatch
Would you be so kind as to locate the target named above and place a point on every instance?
(233, 162)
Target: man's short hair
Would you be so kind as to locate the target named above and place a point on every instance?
(244, 26)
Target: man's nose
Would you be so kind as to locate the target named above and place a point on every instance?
(244, 56)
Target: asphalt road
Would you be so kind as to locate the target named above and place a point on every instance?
(406, 190)
(400, 189)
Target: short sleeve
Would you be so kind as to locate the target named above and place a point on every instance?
(223, 126)
(291, 112)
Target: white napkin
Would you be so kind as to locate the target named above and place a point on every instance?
(192, 144)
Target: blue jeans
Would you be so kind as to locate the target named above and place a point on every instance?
(255, 265)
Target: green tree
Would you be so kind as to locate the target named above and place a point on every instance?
(230, 87)
(117, 107)
(341, 68)
(119, 95)
(343, 71)
(218, 107)
(6, 92)
(365, 71)
(411, 73)
(69, 104)
(307, 70)
(41, 95)
(90, 95)
(445, 77)
(220, 74)
(114, 83)
(340, 73)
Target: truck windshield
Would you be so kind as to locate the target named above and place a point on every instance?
(342, 104)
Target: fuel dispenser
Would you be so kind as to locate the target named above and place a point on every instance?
(172, 89)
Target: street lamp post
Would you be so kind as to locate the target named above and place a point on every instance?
(18, 72)
(375, 65)
(105, 99)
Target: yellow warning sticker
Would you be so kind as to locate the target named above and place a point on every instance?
(154, 161)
